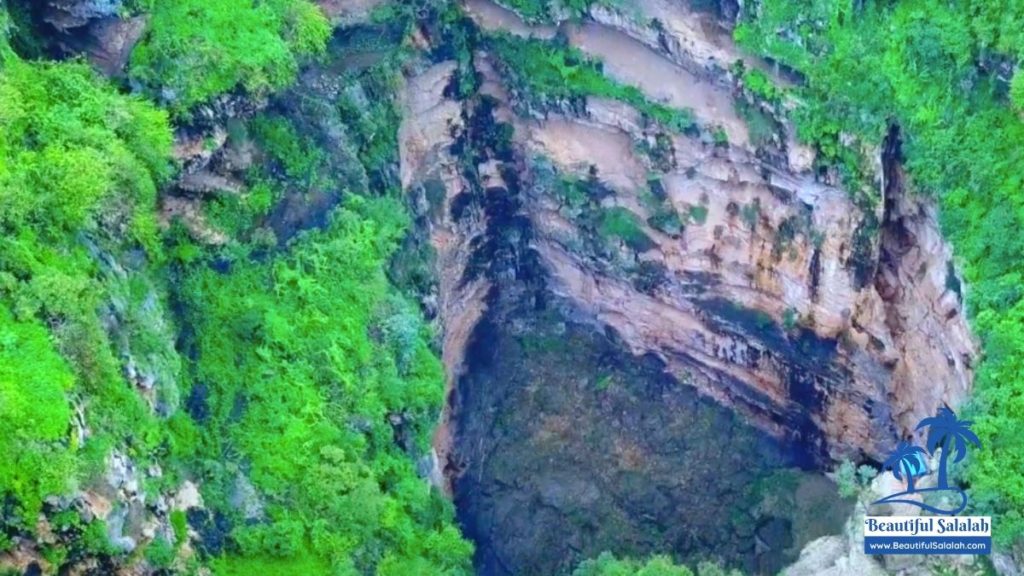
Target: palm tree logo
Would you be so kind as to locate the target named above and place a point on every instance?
(947, 432)
(907, 461)
(952, 435)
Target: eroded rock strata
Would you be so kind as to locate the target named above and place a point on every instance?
(829, 326)
(780, 296)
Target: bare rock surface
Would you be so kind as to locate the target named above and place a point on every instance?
(66, 14)
(107, 42)
(633, 63)
(492, 16)
(787, 247)
(431, 124)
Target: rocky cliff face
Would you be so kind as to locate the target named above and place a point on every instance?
(827, 325)
(816, 318)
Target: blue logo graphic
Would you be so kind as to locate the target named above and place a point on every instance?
(945, 431)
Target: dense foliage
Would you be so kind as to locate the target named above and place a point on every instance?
(34, 414)
(197, 49)
(335, 377)
(312, 384)
(313, 389)
(937, 69)
(78, 161)
(71, 146)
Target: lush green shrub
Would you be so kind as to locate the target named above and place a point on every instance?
(69, 146)
(620, 223)
(160, 553)
(197, 49)
(34, 416)
(281, 140)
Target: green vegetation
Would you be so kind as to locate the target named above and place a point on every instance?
(375, 119)
(314, 389)
(790, 317)
(929, 66)
(316, 383)
(751, 213)
(160, 553)
(760, 125)
(311, 379)
(34, 415)
(720, 137)
(72, 146)
(853, 480)
(197, 49)
(698, 213)
(282, 142)
(608, 565)
(77, 162)
(537, 11)
(667, 220)
(620, 223)
(759, 84)
(572, 193)
(330, 369)
(552, 71)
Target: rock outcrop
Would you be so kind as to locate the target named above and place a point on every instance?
(106, 42)
(776, 297)
(102, 31)
(348, 12)
(67, 14)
